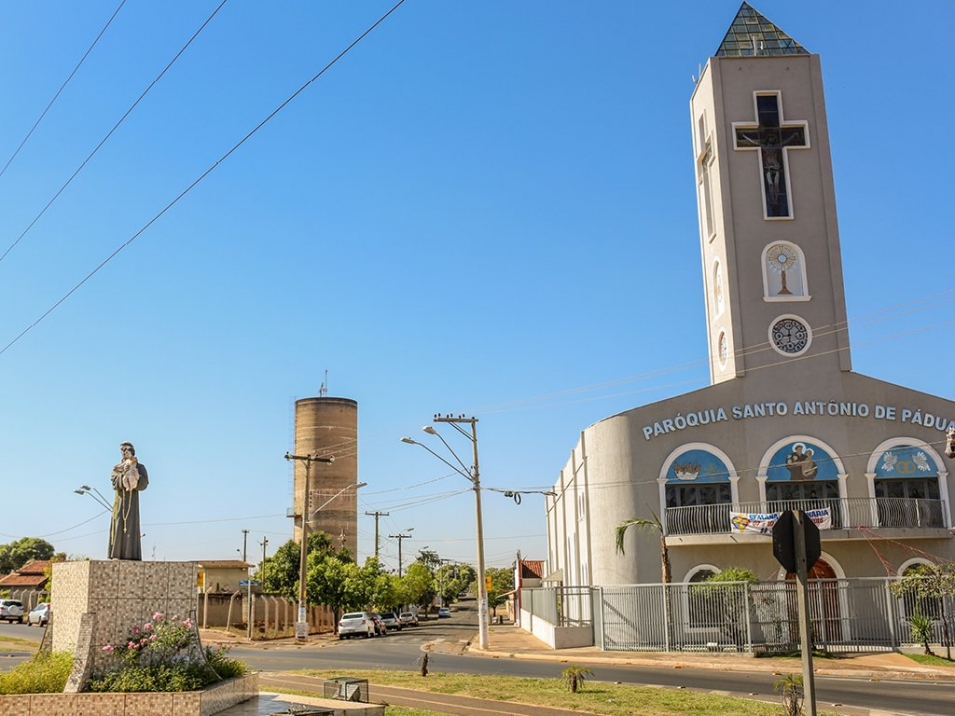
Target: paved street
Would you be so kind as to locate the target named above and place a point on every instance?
(883, 684)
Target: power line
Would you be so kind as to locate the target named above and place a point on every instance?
(62, 87)
(202, 176)
(110, 134)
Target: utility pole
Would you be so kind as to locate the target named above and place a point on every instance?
(245, 543)
(264, 543)
(376, 515)
(301, 626)
(474, 475)
(400, 537)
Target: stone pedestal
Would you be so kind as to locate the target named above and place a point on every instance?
(97, 602)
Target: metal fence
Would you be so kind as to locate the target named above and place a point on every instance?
(845, 615)
(846, 512)
(560, 606)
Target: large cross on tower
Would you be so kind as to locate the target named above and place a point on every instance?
(773, 138)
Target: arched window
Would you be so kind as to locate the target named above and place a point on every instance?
(698, 490)
(719, 300)
(911, 602)
(699, 607)
(802, 474)
(784, 273)
(907, 489)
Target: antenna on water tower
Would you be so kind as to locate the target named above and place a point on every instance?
(323, 390)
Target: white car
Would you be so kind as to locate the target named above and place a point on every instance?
(356, 624)
(11, 610)
(408, 619)
(40, 614)
(444, 613)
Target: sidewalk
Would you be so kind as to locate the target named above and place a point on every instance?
(509, 641)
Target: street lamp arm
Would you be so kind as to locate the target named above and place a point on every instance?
(95, 494)
(464, 473)
(337, 494)
(431, 431)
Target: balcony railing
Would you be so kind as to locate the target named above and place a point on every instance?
(846, 512)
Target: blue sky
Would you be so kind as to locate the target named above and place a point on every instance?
(483, 208)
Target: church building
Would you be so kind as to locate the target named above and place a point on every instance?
(785, 423)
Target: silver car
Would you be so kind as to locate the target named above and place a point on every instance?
(11, 610)
(356, 624)
(391, 621)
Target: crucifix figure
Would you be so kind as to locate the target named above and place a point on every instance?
(773, 138)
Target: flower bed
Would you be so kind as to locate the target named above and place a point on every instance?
(211, 700)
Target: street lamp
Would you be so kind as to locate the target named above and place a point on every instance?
(95, 494)
(301, 626)
(474, 475)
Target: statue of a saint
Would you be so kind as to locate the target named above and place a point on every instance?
(128, 478)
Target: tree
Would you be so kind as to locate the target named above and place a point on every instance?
(417, 585)
(16, 554)
(451, 580)
(931, 583)
(332, 581)
(281, 570)
(721, 595)
(381, 587)
(502, 582)
(653, 525)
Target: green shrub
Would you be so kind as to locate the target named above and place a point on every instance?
(575, 676)
(44, 674)
(163, 655)
(225, 666)
(154, 677)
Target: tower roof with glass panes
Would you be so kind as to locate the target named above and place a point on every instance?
(751, 35)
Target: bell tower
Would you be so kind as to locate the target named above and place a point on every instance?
(772, 265)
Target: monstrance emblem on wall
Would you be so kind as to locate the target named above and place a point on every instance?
(781, 259)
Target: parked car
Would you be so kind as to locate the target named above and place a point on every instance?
(408, 619)
(380, 628)
(356, 624)
(40, 614)
(444, 613)
(391, 621)
(11, 610)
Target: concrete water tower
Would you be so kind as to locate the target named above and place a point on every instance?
(326, 427)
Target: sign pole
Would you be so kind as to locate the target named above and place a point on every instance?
(802, 598)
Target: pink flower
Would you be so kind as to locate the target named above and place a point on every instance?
(148, 626)
(135, 630)
(108, 648)
(157, 617)
(152, 638)
(132, 645)
(187, 623)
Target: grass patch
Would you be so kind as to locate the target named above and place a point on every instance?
(930, 660)
(44, 674)
(13, 643)
(596, 697)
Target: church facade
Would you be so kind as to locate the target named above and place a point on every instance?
(785, 423)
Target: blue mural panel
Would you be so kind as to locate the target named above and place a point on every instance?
(802, 461)
(698, 465)
(906, 461)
